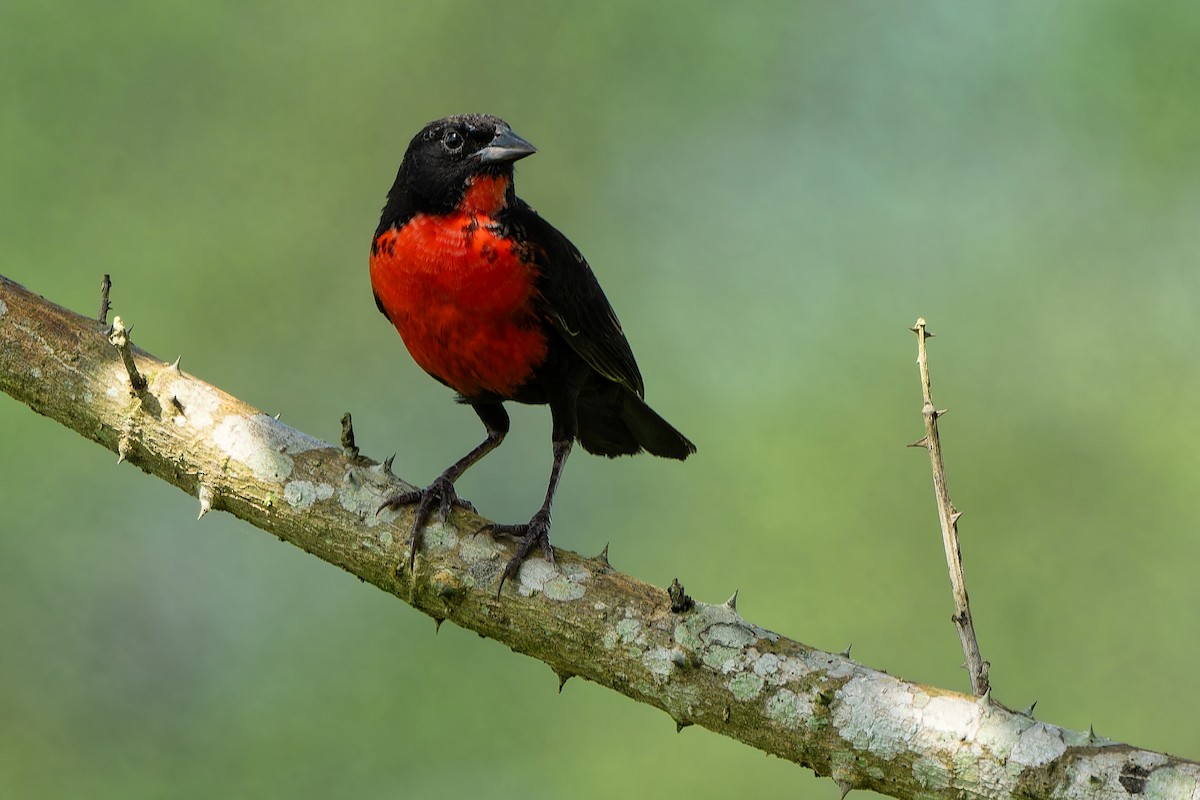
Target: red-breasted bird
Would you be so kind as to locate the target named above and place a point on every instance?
(495, 303)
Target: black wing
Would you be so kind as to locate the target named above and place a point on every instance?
(572, 300)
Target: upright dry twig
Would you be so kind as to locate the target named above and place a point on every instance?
(349, 448)
(948, 515)
(105, 287)
(119, 337)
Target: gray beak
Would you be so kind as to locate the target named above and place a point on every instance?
(505, 147)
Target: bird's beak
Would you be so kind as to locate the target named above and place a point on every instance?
(505, 147)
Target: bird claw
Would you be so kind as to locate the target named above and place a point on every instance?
(438, 498)
(534, 532)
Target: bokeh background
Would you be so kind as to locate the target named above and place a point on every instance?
(771, 194)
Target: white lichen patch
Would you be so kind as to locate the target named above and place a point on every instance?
(781, 670)
(930, 773)
(534, 574)
(726, 635)
(563, 589)
(118, 382)
(745, 686)
(537, 575)
(1169, 782)
(875, 713)
(830, 664)
(199, 403)
(302, 494)
(630, 631)
(1134, 774)
(950, 715)
(661, 661)
(999, 733)
(609, 639)
(363, 491)
(568, 585)
(3, 308)
(479, 547)
(1039, 744)
(263, 444)
(1147, 759)
(765, 665)
(439, 537)
(1087, 738)
(789, 709)
(719, 636)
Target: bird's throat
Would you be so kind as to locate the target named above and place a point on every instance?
(486, 195)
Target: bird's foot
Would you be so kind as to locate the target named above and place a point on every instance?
(534, 532)
(438, 497)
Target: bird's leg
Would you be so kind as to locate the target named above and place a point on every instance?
(537, 530)
(440, 494)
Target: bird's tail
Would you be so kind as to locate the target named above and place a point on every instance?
(616, 422)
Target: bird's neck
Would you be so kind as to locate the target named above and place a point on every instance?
(486, 195)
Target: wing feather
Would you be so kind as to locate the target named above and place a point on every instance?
(573, 302)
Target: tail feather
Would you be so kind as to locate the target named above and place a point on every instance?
(616, 422)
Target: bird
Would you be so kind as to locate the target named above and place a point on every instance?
(498, 305)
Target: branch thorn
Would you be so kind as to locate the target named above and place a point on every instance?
(846, 653)
(123, 448)
(205, 494)
(603, 557)
(731, 603)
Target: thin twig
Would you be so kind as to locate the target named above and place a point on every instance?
(120, 339)
(105, 286)
(948, 515)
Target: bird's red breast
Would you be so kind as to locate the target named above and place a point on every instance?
(461, 295)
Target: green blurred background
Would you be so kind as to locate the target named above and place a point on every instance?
(771, 194)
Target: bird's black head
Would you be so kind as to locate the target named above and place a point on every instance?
(442, 160)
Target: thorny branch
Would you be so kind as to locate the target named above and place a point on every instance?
(948, 516)
(703, 664)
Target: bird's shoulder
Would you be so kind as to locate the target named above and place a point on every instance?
(570, 297)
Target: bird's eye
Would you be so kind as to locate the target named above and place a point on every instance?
(453, 140)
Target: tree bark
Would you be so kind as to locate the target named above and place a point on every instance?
(702, 664)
